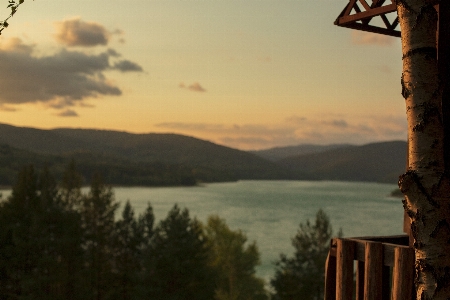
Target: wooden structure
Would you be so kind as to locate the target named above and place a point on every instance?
(358, 14)
(384, 266)
(384, 269)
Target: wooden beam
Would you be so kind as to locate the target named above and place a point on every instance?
(373, 271)
(366, 14)
(373, 29)
(402, 282)
(344, 269)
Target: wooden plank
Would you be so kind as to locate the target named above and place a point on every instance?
(377, 3)
(344, 265)
(394, 24)
(367, 14)
(373, 271)
(330, 277)
(403, 274)
(360, 280)
(400, 239)
(386, 22)
(364, 3)
(349, 7)
(387, 250)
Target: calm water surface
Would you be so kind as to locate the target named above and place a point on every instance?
(269, 212)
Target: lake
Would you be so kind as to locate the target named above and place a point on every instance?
(269, 212)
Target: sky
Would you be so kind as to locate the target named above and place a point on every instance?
(248, 74)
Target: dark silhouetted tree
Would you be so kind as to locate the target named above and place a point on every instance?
(97, 212)
(302, 276)
(234, 262)
(127, 254)
(38, 239)
(177, 261)
(71, 184)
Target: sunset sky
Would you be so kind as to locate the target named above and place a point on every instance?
(249, 74)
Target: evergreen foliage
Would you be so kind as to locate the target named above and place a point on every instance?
(177, 260)
(97, 214)
(234, 262)
(58, 243)
(302, 276)
(39, 241)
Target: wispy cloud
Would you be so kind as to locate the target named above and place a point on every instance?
(368, 38)
(296, 129)
(75, 32)
(68, 113)
(196, 87)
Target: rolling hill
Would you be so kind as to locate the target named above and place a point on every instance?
(279, 153)
(122, 152)
(170, 159)
(378, 162)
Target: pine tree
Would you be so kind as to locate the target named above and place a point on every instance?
(302, 276)
(71, 187)
(127, 264)
(38, 238)
(177, 262)
(97, 212)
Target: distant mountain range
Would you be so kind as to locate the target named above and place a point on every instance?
(170, 159)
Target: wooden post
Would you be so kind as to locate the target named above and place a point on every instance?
(330, 277)
(373, 274)
(403, 273)
(345, 254)
(360, 280)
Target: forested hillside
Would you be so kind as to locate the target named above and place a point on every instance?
(119, 152)
(376, 162)
(170, 159)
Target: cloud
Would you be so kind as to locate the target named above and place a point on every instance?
(196, 87)
(74, 32)
(60, 80)
(68, 113)
(294, 130)
(127, 66)
(337, 123)
(369, 38)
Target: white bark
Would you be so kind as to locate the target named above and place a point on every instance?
(425, 185)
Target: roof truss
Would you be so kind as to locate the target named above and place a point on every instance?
(358, 14)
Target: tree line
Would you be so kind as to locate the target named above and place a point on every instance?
(59, 243)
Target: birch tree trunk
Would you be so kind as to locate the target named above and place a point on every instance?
(425, 184)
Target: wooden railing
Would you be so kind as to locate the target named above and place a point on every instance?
(384, 268)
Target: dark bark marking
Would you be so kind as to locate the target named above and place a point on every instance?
(411, 178)
(426, 11)
(442, 224)
(409, 211)
(441, 280)
(429, 52)
(405, 91)
(429, 112)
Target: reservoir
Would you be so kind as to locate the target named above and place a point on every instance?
(269, 212)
